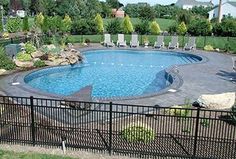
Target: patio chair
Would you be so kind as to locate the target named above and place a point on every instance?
(121, 41)
(234, 63)
(174, 44)
(107, 41)
(134, 41)
(159, 43)
(191, 45)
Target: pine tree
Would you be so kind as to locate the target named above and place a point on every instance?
(99, 22)
(67, 23)
(182, 29)
(39, 19)
(25, 24)
(127, 25)
(154, 28)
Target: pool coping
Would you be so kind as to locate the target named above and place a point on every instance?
(177, 82)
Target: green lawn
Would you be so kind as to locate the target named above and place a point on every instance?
(14, 155)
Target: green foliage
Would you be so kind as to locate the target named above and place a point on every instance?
(180, 111)
(208, 48)
(127, 25)
(138, 133)
(201, 11)
(114, 26)
(13, 25)
(166, 11)
(25, 24)
(39, 20)
(142, 27)
(200, 27)
(184, 16)
(29, 48)
(39, 63)
(155, 29)
(23, 57)
(233, 114)
(147, 13)
(99, 23)
(173, 28)
(182, 29)
(1, 25)
(55, 24)
(84, 27)
(226, 28)
(6, 63)
(66, 24)
(114, 3)
(205, 122)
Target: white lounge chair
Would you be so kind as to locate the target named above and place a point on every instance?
(107, 40)
(159, 43)
(121, 41)
(134, 41)
(191, 45)
(174, 44)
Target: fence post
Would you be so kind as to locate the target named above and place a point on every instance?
(32, 120)
(110, 130)
(196, 133)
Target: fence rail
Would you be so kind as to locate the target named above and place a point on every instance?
(189, 133)
(222, 43)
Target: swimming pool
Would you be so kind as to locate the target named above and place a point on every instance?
(111, 73)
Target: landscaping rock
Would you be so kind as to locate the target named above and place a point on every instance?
(217, 101)
(56, 62)
(27, 64)
(72, 57)
(36, 59)
(50, 47)
(2, 71)
(37, 54)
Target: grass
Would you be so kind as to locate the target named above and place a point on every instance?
(14, 155)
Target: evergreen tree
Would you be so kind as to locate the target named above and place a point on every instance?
(39, 19)
(99, 22)
(155, 29)
(25, 24)
(182, 29)
(67, 23)
(127, 25)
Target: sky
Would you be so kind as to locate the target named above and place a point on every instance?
(163, 2)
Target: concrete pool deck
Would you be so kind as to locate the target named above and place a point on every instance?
(214, 75)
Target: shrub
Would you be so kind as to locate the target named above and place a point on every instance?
(25, 24)
(99, 23)
(182, 29)
(142, 27)
(55, 24)
(154, 27)
(200, 27)
(208, 48)
(226, 28)
(114, 26)
(138, 133)
(173, 28)
(84, 26)
(29, 48)
(66, 24)
(181, 111)
(184, 16)
(13, 25)
(127, 25)
(39, 63)
(21, 56)
(6, 63)
(1, 25)
(39, 20)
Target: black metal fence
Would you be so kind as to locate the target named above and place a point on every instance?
(106, 127)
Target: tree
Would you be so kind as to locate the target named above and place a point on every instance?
(1, 25)
(67, 23)
(182, 29)
(142, 27)
(200, 26)
(184, 16)
(147, 12)
(99, 23)
(39, 20)
(114, 26)
(114, 3)
(25, 24)
(127, 25)
(202, 11)
(26, 5)
(106, 10)
(5, 4)
(154, 27)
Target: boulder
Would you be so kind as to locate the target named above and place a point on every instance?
(36, 59)
(2, 71)
(217, 101)
(50, 47)
(56, 62)
(72, 57)
(37, 54)
(27, 64)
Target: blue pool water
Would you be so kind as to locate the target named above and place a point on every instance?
(111, 73)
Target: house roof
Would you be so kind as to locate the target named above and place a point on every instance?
(230, 2)
(193, 3)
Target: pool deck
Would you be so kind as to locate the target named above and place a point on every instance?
(214, 75)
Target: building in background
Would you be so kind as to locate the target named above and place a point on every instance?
(189, 4)
(118, 13)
